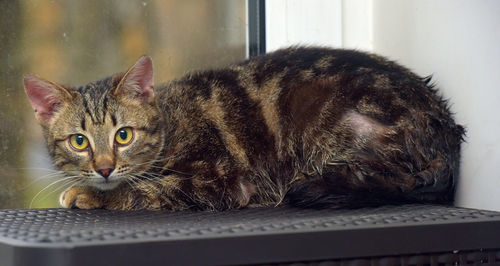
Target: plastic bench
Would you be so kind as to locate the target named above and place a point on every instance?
(389, 235)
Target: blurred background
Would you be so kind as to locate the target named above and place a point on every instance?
(74, 42)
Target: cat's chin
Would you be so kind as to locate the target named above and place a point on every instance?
(106, 184)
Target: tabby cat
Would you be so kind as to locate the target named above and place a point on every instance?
(311, 127)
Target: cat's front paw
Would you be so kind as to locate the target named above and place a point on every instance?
(81, 198)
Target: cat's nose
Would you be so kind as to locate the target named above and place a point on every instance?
(105, 172)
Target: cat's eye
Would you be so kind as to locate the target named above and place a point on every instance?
(124, 135)
(79, 142)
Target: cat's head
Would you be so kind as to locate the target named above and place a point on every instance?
(103, 133)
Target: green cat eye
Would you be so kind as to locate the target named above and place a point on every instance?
(79, 142)
(124, 135)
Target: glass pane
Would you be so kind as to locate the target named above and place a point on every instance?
(75, 42)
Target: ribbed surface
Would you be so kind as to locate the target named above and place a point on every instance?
(56, 226)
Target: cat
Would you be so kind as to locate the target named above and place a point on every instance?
(308, 126)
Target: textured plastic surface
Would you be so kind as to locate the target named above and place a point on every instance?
(273, 235)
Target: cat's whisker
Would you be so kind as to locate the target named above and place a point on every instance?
(78, 182)
(153, 174)
(154, 161)
(57, 174)
(172, 170)
(40, 178)
(130, 184)
(140, 183)
(53, 173)
(160, 159)
(134, 182)
(48, 186)
(163, 168)
(156, 175)
(159, 168)
(138, 177)
(176, 177)
(68, 184)
(148, 174)
(36, 168)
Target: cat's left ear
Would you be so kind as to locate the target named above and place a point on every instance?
(137, 82)
(45, 96)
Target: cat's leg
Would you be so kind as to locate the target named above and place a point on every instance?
(208, 189)
(123, 198)
(81, 197)
(140, 195)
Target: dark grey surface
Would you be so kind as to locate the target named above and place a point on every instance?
(99, 237)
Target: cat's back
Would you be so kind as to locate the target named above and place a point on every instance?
(273, 98)
(280, 73)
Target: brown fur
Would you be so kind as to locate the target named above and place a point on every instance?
(309, 126)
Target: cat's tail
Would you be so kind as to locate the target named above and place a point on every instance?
(436, 143)
(317, 196)
(324, 193)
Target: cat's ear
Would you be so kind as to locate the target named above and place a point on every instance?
(137, 82)
(46, 97)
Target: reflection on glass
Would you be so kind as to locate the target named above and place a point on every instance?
(74, 42)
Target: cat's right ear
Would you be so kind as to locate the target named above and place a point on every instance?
(46, 97)
(137, 82)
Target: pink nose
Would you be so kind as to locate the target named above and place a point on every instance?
(105, 172)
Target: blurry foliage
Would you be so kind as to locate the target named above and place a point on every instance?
(74, 42)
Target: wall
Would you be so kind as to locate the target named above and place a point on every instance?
(292, 22)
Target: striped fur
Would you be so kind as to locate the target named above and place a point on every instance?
(313, 127)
